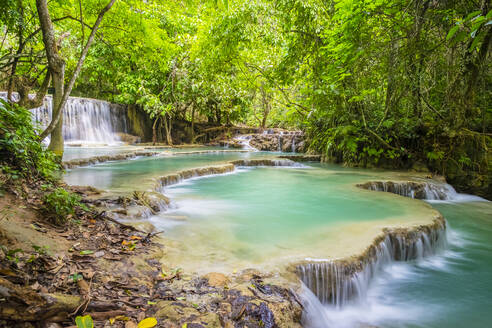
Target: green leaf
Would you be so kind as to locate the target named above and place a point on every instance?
(84, 322)
(473, 15)
(452, 32)
(86, 252)
(475, 43)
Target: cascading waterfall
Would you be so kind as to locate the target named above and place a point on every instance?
(414, 189)
(293, 144)
(340, 282)
(84, 120)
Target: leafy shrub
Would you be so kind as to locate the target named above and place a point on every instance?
(60, 205)
(21, 153)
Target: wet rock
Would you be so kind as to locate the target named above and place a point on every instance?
(175, 311)
(230, 144)
(216, 279)
(248, 274)
(278, 140)
(154, 201)
(128, 138)
(85, 190)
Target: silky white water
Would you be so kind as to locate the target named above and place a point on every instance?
(85, 120)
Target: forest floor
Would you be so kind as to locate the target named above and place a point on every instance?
(115, 273)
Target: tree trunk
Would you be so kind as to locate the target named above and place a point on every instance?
(154, 130)
(193, 124)
(56, 141)
(168, 126)
(57, 67)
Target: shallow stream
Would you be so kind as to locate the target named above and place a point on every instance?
(271, 217)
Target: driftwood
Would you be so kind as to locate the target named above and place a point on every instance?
(24, 304)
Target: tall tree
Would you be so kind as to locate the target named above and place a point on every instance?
(56, 66)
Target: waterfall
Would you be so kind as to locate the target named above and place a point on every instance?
(413, 189)
(84, 120)
(341, 282)
(244, 141)
(279, 142)
(293, 144)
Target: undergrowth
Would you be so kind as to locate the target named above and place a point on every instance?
(21, 153)
(25, 162)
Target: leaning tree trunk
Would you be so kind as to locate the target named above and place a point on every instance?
(56, 141)
(57, 68)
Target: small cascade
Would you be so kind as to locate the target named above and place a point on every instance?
(341, 282)
(180, 176)
(413, 189)
(294, 144)
(279, 141)
(244, 140)
(85, 120)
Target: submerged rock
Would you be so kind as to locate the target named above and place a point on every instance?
(302, 158)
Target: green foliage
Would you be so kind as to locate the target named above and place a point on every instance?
(61, 205)
(20, 151)
(376, 82)
(84, 322)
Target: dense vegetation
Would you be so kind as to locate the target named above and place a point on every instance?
(397, 83)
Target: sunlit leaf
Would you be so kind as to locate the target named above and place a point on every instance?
(147, 323)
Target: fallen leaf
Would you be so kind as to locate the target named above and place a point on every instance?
(147, 323)
(86, 252)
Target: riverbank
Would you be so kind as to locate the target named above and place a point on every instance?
(115, 273)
